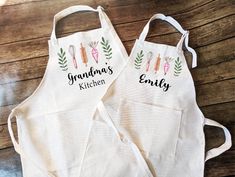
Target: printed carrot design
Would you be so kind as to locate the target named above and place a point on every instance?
(157, 63)
(167, 64)
(94, 51)
(72, 53)
(149, 58)
(83, 55)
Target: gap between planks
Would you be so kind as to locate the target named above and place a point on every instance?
(113, 23)
(131, 41)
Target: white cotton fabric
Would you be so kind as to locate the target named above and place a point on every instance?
(54, 123)
(153, 104)
(148, 124)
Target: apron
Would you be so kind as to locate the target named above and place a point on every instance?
(109, 153)
(153, 104)
(54, 123)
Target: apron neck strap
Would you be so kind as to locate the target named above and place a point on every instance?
(184, 39)
(105, 22)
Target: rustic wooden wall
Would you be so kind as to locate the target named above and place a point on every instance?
(25, 27)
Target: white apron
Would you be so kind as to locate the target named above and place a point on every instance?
(153, 104)
(54, 123)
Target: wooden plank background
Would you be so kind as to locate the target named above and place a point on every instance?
(25, 27)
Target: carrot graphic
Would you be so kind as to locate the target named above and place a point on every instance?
(72, 53)
(149, 58)
(94, 51)
(167, 64)
(166, 67)
(83, 55)
(157, 63)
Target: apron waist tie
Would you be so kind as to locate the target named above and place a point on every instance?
(224, 147)
(19, 149)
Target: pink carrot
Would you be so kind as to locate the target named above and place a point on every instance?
(95, 54)
(167, 64)
(94, 51)
(166, 67)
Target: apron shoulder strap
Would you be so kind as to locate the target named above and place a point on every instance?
(104, 21)
(66, 12)
(174, 23)
(224, 147)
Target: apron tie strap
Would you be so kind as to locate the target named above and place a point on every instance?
(224, 147)
(174, 23)
(14, 141)
(17, 147)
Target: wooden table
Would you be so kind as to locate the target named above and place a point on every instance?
(25, 27)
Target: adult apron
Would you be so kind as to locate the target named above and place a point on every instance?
(54, 122)
(157, 108)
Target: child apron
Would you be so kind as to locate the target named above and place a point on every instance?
(157, 107)
(55, 121)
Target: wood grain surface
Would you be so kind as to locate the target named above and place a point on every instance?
(25, 27)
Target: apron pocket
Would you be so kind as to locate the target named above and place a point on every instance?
(154, 129)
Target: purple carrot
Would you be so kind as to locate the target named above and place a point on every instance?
(94, 51)
(166, 67)
(167, 64)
